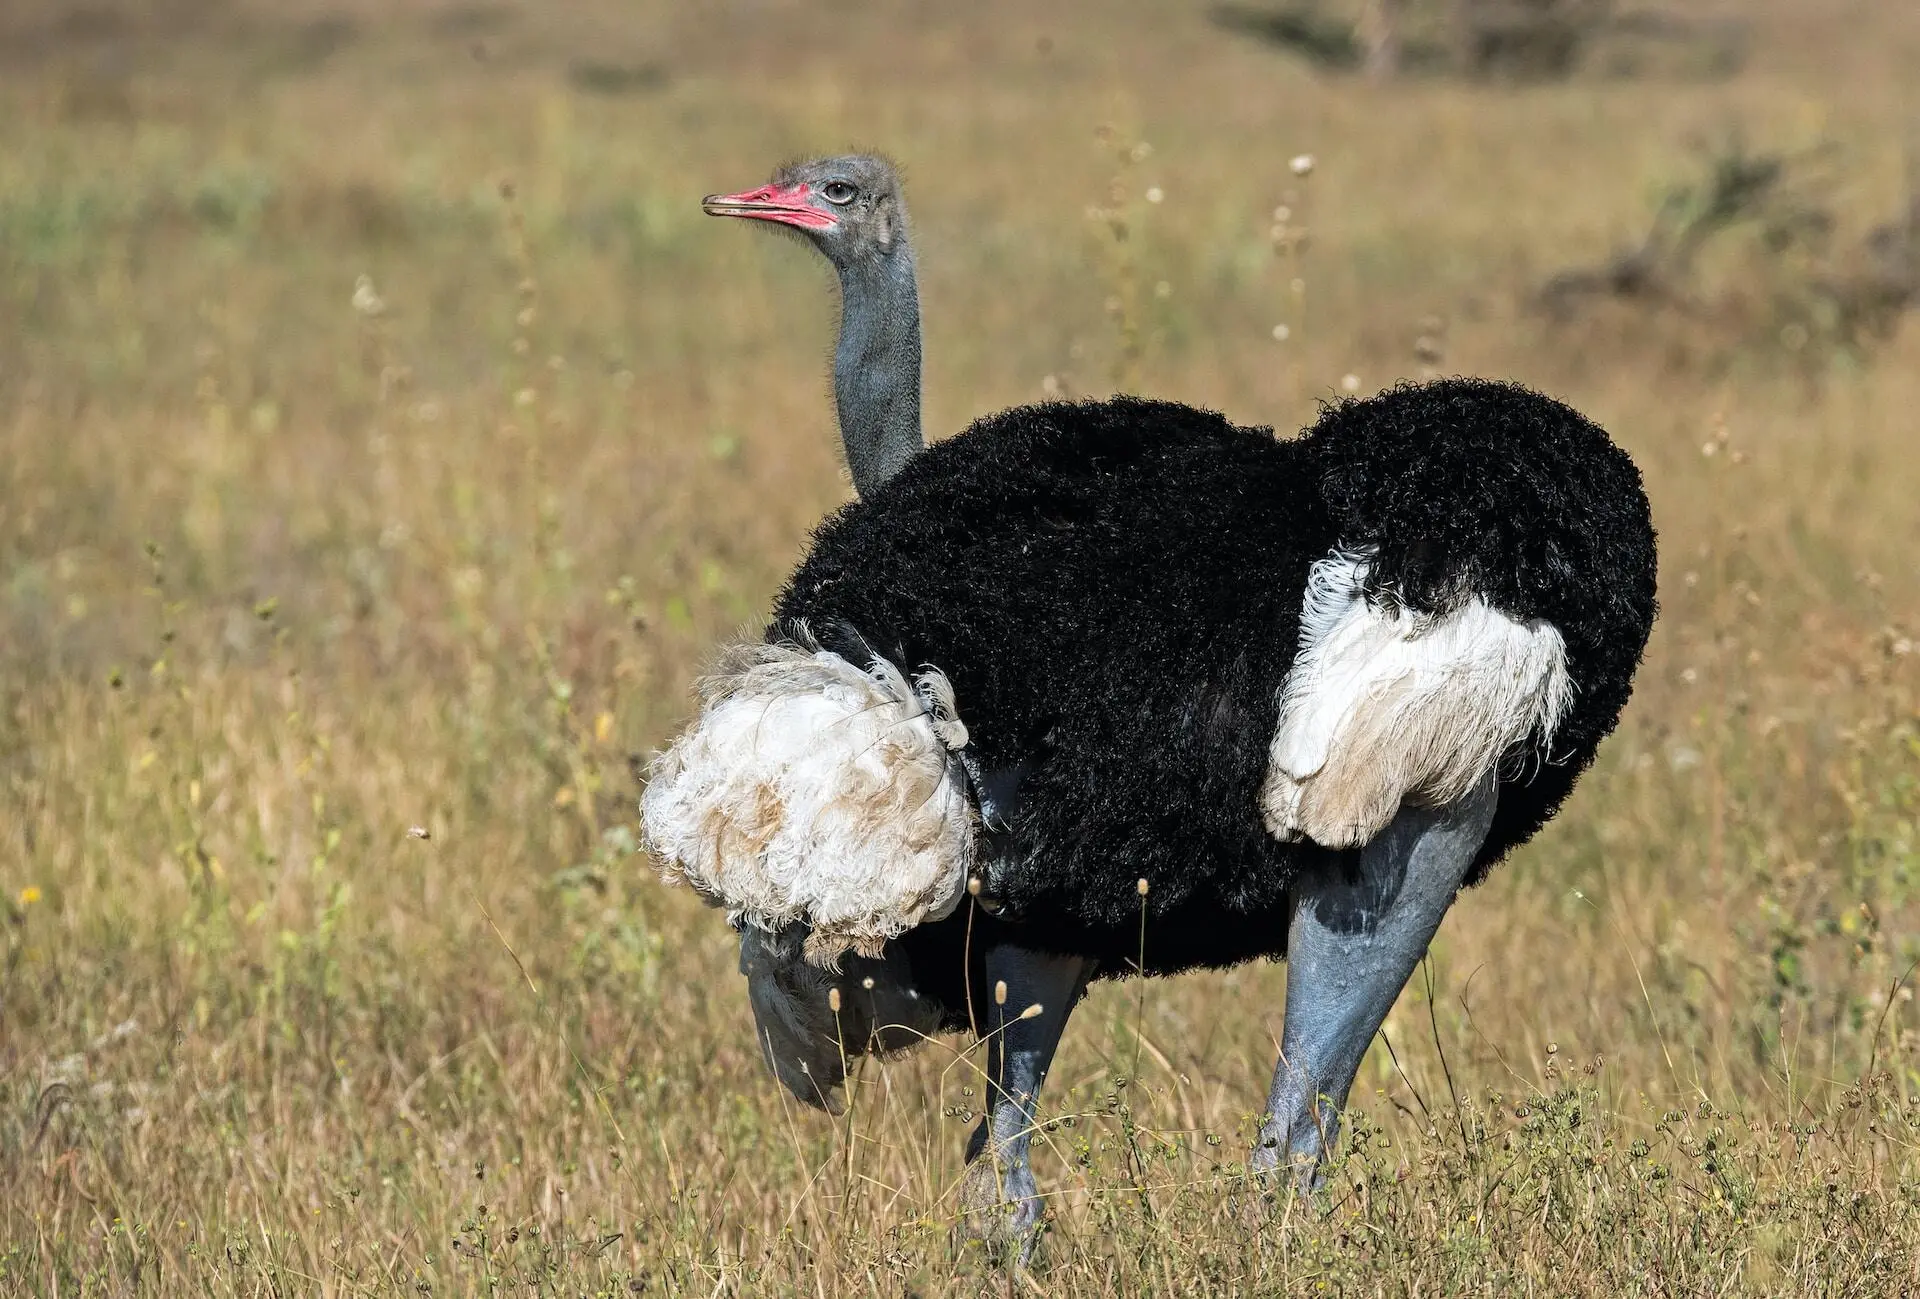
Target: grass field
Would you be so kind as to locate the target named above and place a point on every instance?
(386, 440)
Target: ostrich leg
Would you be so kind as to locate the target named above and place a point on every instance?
(1355, 938)
(1001, 1202)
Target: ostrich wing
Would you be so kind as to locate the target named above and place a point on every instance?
(1386, 703)
(813, 790)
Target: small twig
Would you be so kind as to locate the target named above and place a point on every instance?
(1466, 1008)
(578, 1063)
(1874, 1050)
(1433, 1018)
(966, 955)
(1391, 1055)
(1140, 973)
(52, 1097)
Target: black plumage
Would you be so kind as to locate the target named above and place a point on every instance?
(1115, 590)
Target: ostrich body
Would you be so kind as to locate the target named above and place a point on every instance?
(1089, 665)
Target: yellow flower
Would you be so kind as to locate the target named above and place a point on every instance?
(29, 895)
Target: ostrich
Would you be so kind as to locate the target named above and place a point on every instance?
(1089, 671)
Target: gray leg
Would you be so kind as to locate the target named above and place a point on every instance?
(1355, 938)
(999, 1197)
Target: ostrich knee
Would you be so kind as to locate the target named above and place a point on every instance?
(1359, 928)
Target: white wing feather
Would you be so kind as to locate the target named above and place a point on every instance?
(1384, 704)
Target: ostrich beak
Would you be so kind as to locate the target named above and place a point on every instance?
(786, 204)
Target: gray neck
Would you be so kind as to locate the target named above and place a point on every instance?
(876, 367)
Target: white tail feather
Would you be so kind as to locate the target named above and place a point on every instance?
(1384, 704)
(811, 790)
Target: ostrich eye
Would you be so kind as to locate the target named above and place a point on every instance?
(838, 191)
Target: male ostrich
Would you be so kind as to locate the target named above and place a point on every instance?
(1091, 666)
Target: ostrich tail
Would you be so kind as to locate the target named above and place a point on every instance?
(813, 791)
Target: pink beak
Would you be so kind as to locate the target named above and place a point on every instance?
(788, 206)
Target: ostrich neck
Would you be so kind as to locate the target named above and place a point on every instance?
(876, 368)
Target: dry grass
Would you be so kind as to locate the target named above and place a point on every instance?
(327, 638)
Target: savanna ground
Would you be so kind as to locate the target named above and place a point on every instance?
(335, 615)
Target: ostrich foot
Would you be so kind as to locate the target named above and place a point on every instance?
(1274, 1155)
(1001, 1211)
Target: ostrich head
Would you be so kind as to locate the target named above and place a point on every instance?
(850, 208)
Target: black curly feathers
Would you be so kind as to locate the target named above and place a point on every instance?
(1115, 588)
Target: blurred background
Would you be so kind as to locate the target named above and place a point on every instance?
(387, 440)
